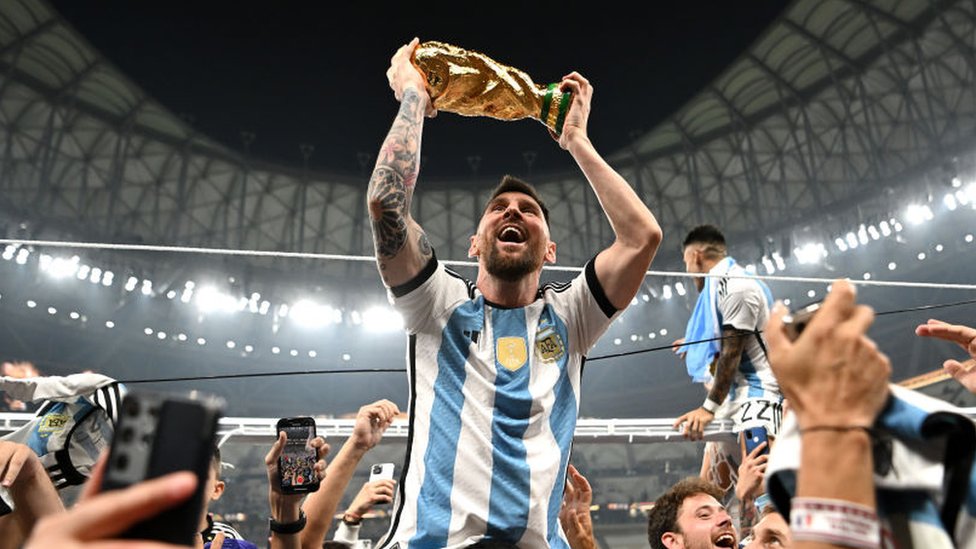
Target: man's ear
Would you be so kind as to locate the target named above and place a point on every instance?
(550, 252)
(218, 490)
(671, 540)
(473, 248)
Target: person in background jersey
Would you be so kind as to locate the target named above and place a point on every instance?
(494, 365)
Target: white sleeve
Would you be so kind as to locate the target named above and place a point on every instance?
(585, 306)
(429, 295)
(742, 305)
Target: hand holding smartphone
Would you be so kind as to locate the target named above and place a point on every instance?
(296, 464)
(159, 434)
(795, 323)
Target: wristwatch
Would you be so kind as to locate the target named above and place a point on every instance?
(288, 527)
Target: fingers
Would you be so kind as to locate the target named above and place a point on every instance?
(15, 455)
(112, 512)
(755, 451)
(837, 308)
(577, 78)
(94, 484)
(677, 423)
(272, 456)
(963, 335)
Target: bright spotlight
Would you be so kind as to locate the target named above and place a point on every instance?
(171, 294)
(148, 331)
(680, 288)
(131, 283)
(969, 238)
(44, 262)
(851, 239)
(811, 253)
(231, 345)
(147, 286)
(108, 277)
(312, 315)
(382, 319)
(248, 348)
(201, 341)
(8, 252)
(275, 350)
(293, 352)
(885, 228)
(663, 331)
(892, 266)
(22, 256)
(346, 357)
(841, 245)
(666, 291)
(921, 256)
(950, 202)
(161, 335)
(109, 324)
(31, 304)
(312, 354)
(873, 232)
(52, 311)
(916, 214)
(211, 300)
(96, 275)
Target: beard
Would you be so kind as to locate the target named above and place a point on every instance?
(512, 268)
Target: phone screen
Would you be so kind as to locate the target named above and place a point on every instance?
(297, 460)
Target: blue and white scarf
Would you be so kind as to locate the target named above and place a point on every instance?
(705, 323)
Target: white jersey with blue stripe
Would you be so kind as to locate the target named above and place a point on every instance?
(743, 304)
(494, 394)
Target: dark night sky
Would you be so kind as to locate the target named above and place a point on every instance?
(314, 72)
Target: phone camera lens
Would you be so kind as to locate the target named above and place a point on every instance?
(377, 469)
(122, 462)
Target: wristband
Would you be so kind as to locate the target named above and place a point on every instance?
(710, 405)
(834, 521)
(352, 522)
(288, 527)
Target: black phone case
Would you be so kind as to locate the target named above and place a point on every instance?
(293, 489)
(157, 435)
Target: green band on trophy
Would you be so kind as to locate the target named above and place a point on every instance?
(546, 102)
(563, 109)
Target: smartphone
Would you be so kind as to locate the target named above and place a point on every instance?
(795, 323)
(753, 437)
(296, 463)
(381, 471)
(157, 434)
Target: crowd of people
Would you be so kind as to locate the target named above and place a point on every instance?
(495, 369)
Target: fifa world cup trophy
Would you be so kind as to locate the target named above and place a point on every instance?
(472, 84)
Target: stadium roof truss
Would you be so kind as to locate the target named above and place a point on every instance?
(840, 104)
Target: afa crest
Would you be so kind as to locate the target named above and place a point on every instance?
(52, 423)
(511, 352)
(549, 345)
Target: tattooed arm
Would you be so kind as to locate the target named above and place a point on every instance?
(402, 249)
(727, 363)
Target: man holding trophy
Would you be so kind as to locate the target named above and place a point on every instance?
(494, 365)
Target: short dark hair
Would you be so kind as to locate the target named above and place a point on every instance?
(512, 184)
(215, 461)
(711, 237)
(663, 517)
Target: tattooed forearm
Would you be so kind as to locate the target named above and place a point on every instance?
(391, 185)
(401, 150)
(728, 362)
(387, 211)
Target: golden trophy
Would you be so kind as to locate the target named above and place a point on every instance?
(472, 84)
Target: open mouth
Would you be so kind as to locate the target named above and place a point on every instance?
(725, 540)
(511, 233)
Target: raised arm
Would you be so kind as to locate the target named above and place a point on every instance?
(401, 246)
(621, 267)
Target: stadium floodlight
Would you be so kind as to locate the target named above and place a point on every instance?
(201, 341)
(161, 335)
(293, 352)
(780, 264)
(181, 337)
(108, 277)
(52, 311)
(147, 287)
(265, 307)
(666, 291)
(768, 264)
(885, 228)
(44, 262)
(62, 267)
(275, 350)
(131, 283)
(231, 344)
(956, 182)
(346, 357)
(248, 348)
(892, 266)
(382, 319)
(663, 332)
(312, 354)
(96, 275)
(950, 202)
(916, 214)
(22, 256)
(841, 245)
(873, 232)
(969, 238)
(109, 324)
(311, 314)
(862, 234)
(680, 288)
(811, 253)
(74, 315)
(171, 294)
(148, 331)
(921, 256)
(8, 252)
(211, 300)
(31, 304)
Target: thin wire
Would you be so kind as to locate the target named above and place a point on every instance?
(361, 258)
(591, 359)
